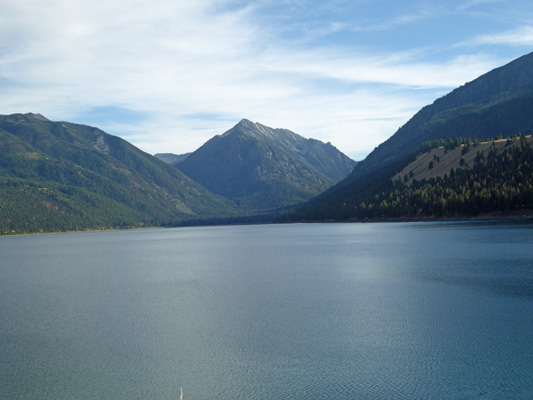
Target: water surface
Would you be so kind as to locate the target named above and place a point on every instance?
(322, 311)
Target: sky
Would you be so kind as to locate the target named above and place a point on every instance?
(167, 75)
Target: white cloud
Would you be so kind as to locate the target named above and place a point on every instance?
(176, 62)
(393, 69)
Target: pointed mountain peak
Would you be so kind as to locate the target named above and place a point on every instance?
(253, 127)
(259, 131)
(244, 126)
(245, 123)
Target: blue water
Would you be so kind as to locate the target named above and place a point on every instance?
(316, 311)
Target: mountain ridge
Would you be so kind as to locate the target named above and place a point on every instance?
(490, 90)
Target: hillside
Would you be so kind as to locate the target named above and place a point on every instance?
(498, 102)
(491, 178)
(57, 176)
(263, 168)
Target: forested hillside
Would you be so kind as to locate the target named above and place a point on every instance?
(496, 180)
(499, 102)
(57, 176)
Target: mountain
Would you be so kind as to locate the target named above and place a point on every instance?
(474, 178)
(58, 176)
(499, 102)
(263, 168)
(457, 179)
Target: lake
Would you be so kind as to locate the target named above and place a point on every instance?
(436, 310)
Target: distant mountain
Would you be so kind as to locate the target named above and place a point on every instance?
(63, 176)
(498, 102)
(264, 168)
(172, 159)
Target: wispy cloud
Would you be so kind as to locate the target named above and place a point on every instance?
(389, 24)
(466, 5)
(522, 36)
(401, 69)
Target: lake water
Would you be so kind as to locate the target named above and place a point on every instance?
(317, 311)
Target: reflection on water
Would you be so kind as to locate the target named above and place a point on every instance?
(331, 311)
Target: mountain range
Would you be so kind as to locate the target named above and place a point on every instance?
(449, 159)
(262, 168)
(57, 176)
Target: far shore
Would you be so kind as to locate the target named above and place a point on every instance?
(524, 215)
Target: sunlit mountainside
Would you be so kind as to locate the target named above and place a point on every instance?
(63, 176)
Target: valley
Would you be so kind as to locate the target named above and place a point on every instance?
(467, 154)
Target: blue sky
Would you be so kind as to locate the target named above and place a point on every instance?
(167, 75)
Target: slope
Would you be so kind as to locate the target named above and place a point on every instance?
(491, 178)
(63, 176)
(442, 161)
(498, 102)
(172, 159)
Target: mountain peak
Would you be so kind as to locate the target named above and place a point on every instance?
(265, 168)
(245, 122)
(255, 129)
(244, 126)
(37, 116)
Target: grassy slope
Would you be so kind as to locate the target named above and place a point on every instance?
(448, 159)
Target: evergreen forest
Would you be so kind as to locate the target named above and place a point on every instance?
(499, 183)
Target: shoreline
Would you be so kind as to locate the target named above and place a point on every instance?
(465, 218)
(485, 217)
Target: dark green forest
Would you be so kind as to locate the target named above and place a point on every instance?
(499, 183)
